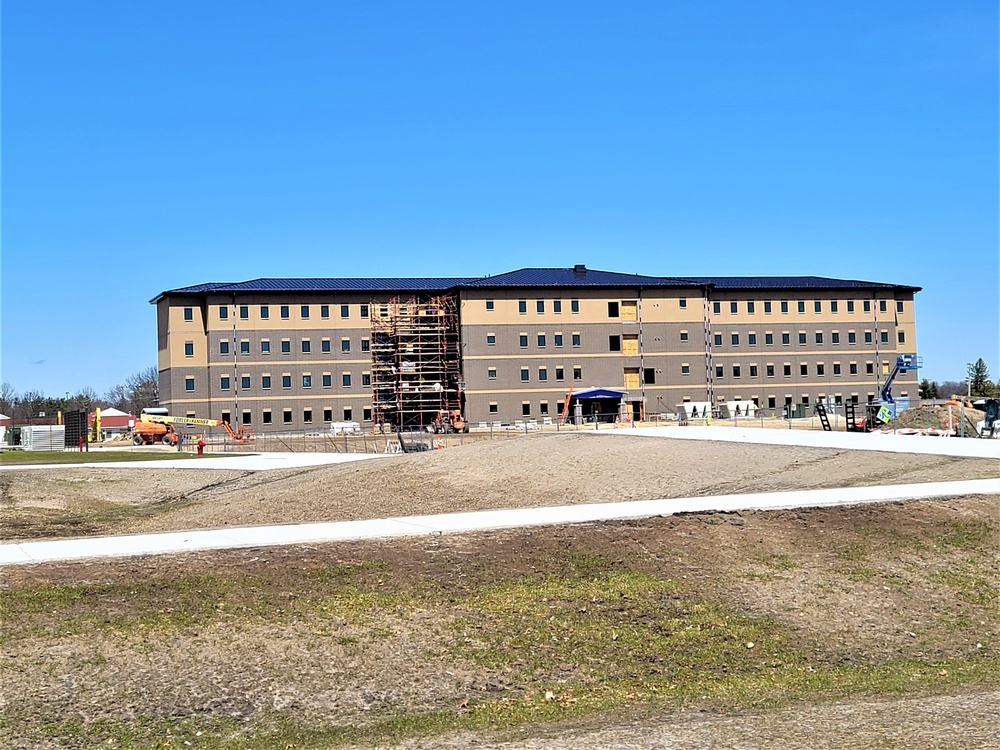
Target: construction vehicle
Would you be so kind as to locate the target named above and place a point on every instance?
(159, 428)
(989, 427)
(449, 420)
(881, 413)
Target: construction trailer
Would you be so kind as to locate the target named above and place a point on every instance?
(416, 362)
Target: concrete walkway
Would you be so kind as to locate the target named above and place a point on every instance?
(260, 536)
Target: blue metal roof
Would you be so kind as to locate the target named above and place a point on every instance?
(578, 276)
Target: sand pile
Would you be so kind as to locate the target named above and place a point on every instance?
(923, 417)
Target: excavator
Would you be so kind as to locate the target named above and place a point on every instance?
(159, 428)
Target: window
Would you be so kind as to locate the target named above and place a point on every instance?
(732, 308)
(245, 347)
(491, 339)
(286, 416)
(557, 339)
(286, 380)
(348, 414)
(265, 382)
(735, 339)
(836, 368)
(867, 305)
(244, 312)
(899, 305)
(900, 337)
(614, 343)
(345, 380)
(803, 369)
(819, 337)
(574, 305)
(526, 409)
(304, 312)
(881, 305)
(345, 311)
(769, 339)
(770, 402)
(540, 306)
(684, 335)
(685, 369)
(523, 340)
(577, 372)
(853, 368)
(820, 369)
(522, 306)
(767, 307)
(324, 346)
(752, 339)
(649, 375)
(286, 346)
(345, 346)
(306, 346)
(541, 340)
(802, 337)
(324, 311)
(491, 373)
(753, 371)
(327, 415)
(265, 312)
(307, 381)
(750, 306)
(682, 303)
(524, 375)
(265, 346)
(543, 408)
(716, 308)
(884, 337)
(850, 305)
(835, 337)
(284, 312)
(366, 345)
(852, 337)
(817, 306)
(226, 417)
(833, 305)
(363, 311)
(556, 308)
(188, 348)
(543, 374)
(736, 371)
(327, 380)
(560, 374)
(717, 339)
(612, 309)
(188, 384)
(869, 368)
(769, 370)
(493, 407)
(784, 305)
(188, 313)
(718, 371)
(576, 339)
(224, 383)
(245, 382)
(223, 312)
(801, 306)
(223, 347)
(490, 305)
(307, 416)
(786, 338)
(786, 370)
(265, 416)
(868, 337)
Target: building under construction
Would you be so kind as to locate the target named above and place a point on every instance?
(416, 361)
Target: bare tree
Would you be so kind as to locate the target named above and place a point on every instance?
(139, 391)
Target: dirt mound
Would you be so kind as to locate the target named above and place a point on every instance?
(936, 417)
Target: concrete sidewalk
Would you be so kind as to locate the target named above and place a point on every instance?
(230, 538)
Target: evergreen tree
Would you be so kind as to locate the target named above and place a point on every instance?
(979, 378)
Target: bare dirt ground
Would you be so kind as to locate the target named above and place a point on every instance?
(531, 471)
(872, 627)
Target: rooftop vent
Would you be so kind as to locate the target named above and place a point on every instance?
(580, 269)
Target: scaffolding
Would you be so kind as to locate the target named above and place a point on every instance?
(416, 361)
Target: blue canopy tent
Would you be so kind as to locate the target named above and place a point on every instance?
(598, 404)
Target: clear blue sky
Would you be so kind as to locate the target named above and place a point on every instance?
(151, 145)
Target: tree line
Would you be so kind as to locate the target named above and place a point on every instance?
(138, 391)
(977, 384)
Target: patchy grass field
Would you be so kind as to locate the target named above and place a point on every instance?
(27, 458)
(459, 639)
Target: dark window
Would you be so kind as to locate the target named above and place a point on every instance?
(833, 305)
(188, 384)
(836, 368)
(899, 305)
(576, 339)
(265, 347)
(224, 382)
(286, 347)
(364, 311)
(560, 374)
(770, 371)
(525, 410)
(188, 349)
(682, 303)
(522, 306)
(327, 415)
(306, 346)
(786, 370)
(716, 307)
(245, 382)
(348, 414)
(304, 311)
(685, 369)
(265, 312)
(245, 347)
(852, 337)
(718, 371)
(307, 416)
(752, 339)
(523, 340)
(614, 343)
(853, 368)
(736, 339)
(732, 308)
(265, 382)
(491, 373)
(223, 312)
(345, 345)
(718, 339)
(557, 305)
(868, 337)
(750, 306)
(769, 339)
(284, 312)
(577, 373)
(684, 335)
(307, 381)
(803, 369)
(286, 381)
(786, 339)
(366, 378)
(286, 416)
(784, 305)
(574, 305)
(818, 306)
(820, 370)
(802, 338)
(265, 417)
(835, 337)
(770, 402)
(767, 307)
(327, 380)
(736, 371)
(524, 375)
(489, 304)
(540, 306)
(324, 311)
(543, 373)
(541, 340)
(753, 371)
(801, 306)
(557, 339)
(819, 337)
(324, 346)
(223, 347)
(366, 345)
(866, 305)
(881, 305)
(612, 309)
(850, 305)
(900, 337)
(345, 311)
(649, 375)
(491, 339)
(494, 409)
(345, 380)
(226, 417)
(884, 337)
(869, 368)
(543, 408)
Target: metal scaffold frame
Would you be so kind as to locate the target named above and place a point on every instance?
(416, 361)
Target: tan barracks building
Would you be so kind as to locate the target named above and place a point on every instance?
(295, 354)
